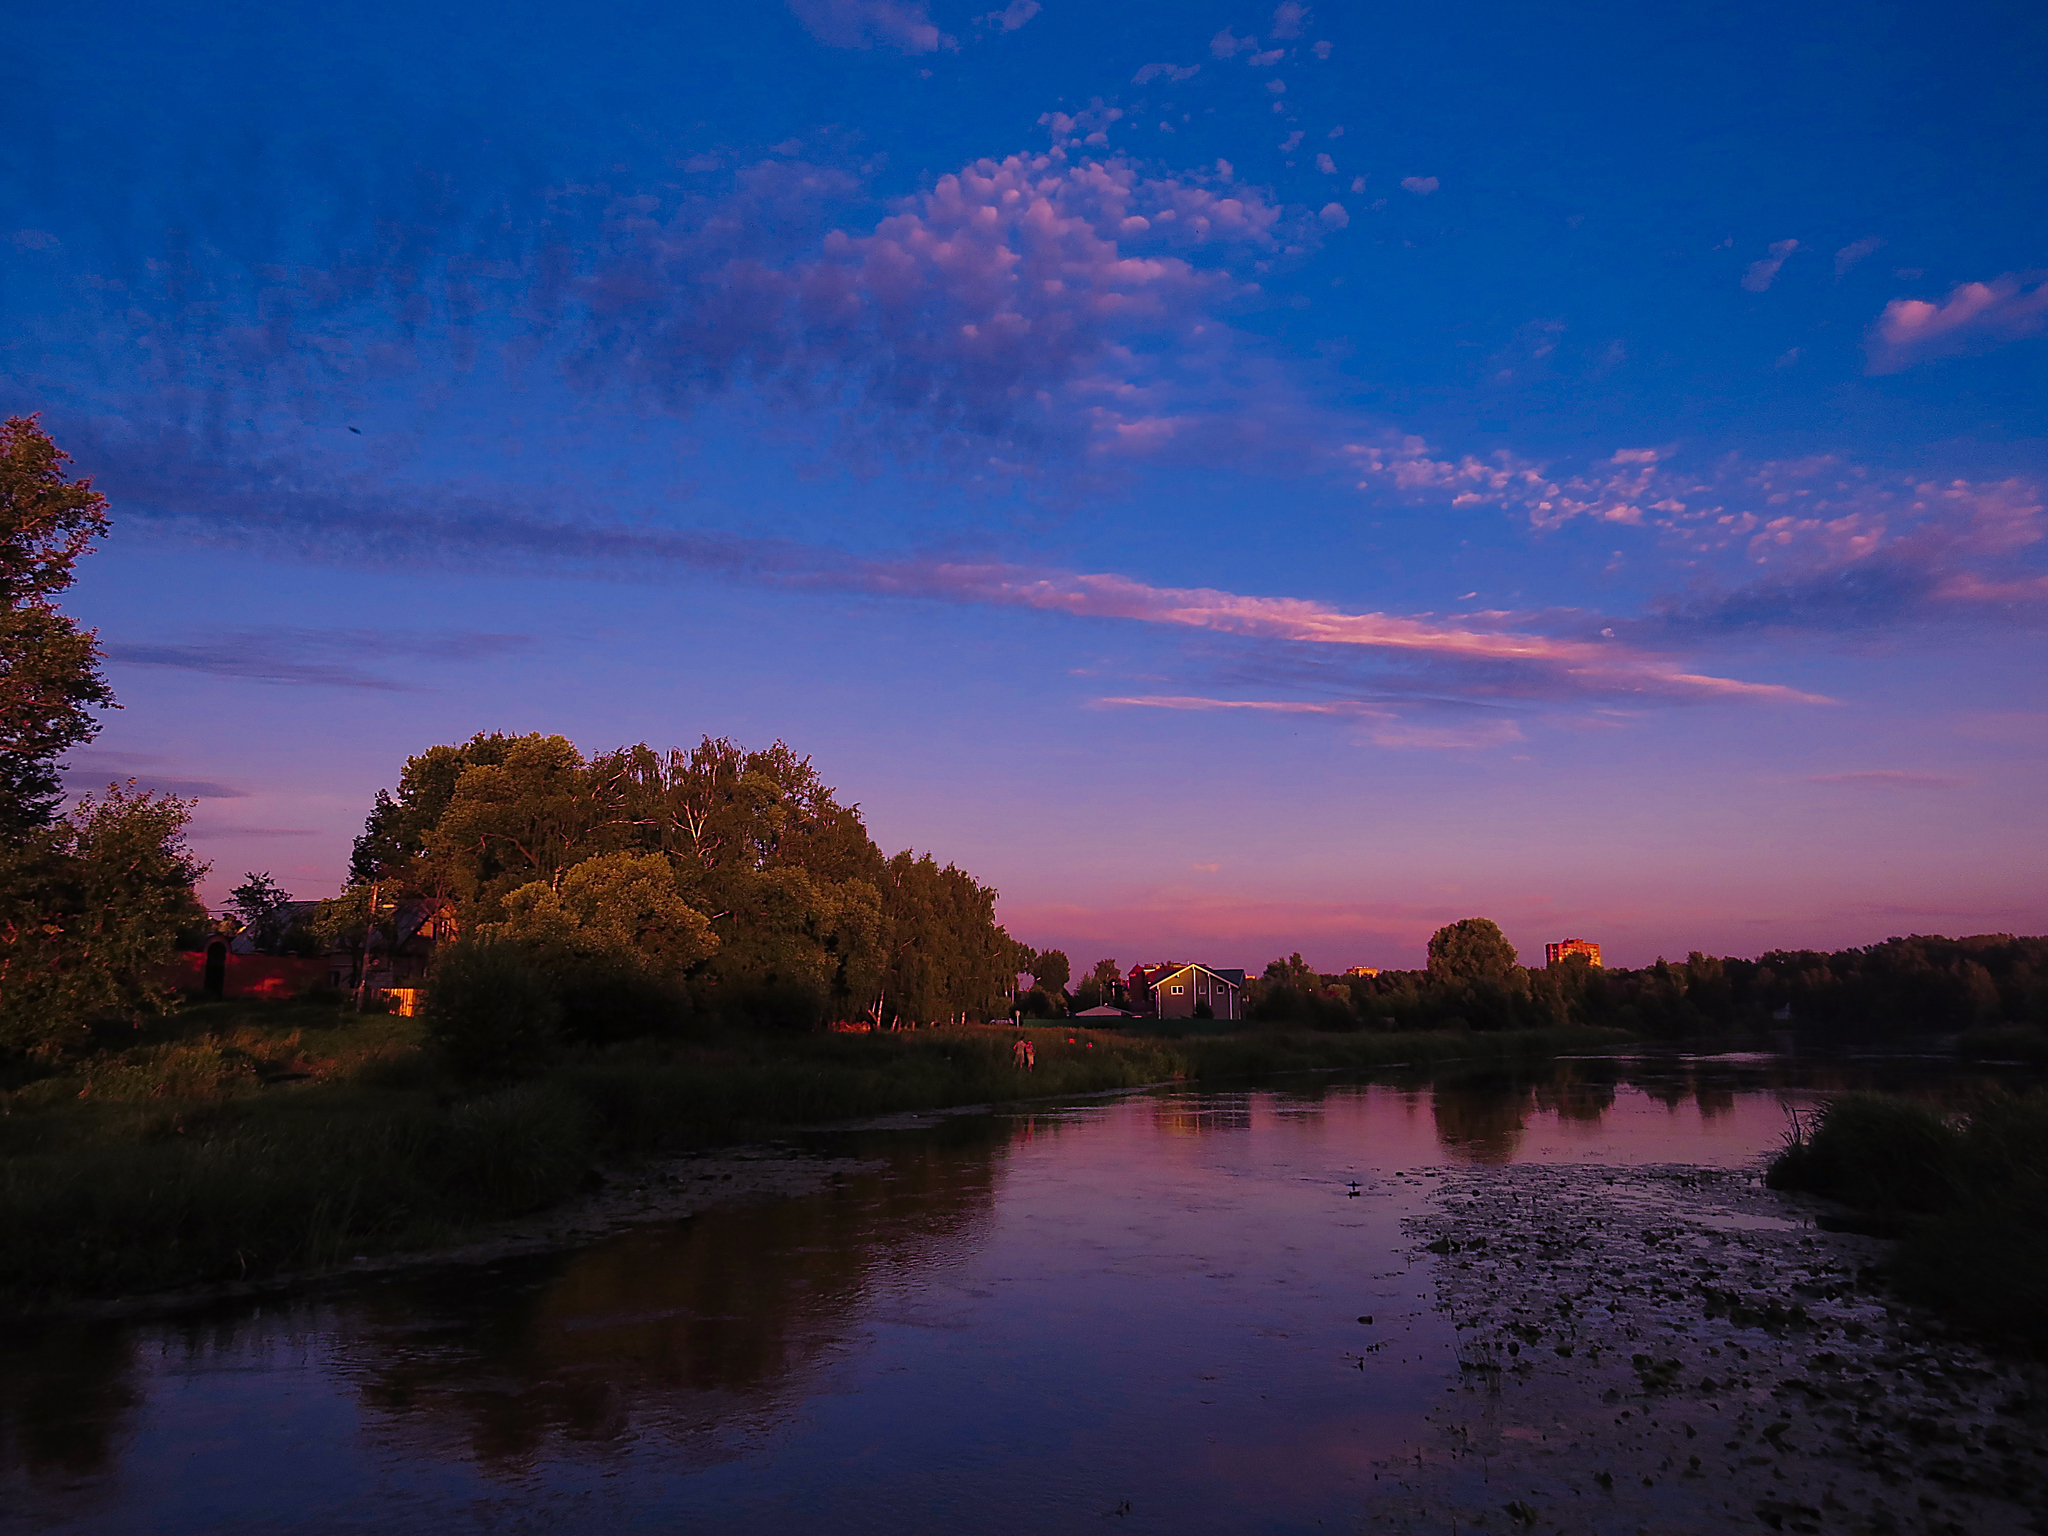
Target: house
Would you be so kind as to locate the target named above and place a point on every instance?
(401, 945)
(1175, 989)
(1564, 949)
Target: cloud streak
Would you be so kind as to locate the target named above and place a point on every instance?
(313, 658)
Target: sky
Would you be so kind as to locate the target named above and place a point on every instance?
(1236, 479)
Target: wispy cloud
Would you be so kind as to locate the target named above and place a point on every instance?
(1762, 274)
(904, 25)
(1265, 706)
(87, 769)
(1942, 554)
(1385, 727)
(314, 658)
(1010, 17)
(1975, 317)
(1854, 252)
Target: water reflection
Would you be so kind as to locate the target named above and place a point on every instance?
(672, 1331)
(1010, 1323)
(64, 1392)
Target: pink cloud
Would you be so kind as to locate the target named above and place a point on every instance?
(1761, 273)
(1975, 317)
(900, 24)
(1289, 18)
(1011, 17)
(1421, 186)
(1580, 665)
(1854, 252)
(1016, 296)
(1257, 706)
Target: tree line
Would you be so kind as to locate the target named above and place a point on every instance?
(1924, 984)
(1473, 979)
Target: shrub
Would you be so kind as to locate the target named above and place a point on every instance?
(491, 1011)
(1876, 1152)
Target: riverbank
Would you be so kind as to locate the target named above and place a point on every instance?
(1677, 1350)
(267, 1143)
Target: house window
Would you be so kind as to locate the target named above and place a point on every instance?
(1178, 990)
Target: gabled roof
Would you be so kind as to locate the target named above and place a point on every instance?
(1152, 974)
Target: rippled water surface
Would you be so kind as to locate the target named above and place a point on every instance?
(1144, 1309)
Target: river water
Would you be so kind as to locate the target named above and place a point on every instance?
(1148, 1310)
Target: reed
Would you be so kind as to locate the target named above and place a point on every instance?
(1967, 1196)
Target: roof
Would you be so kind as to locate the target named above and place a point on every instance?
(1104, 1012)
(1152, 974)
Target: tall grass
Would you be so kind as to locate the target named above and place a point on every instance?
(1967, 1194)
(286, 1141)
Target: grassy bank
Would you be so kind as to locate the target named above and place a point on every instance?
(1966, 1195)
(249, 1141)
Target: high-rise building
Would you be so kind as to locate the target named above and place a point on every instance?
(1555, 954)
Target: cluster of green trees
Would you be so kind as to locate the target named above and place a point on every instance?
(647, 888)
(91, 902)
(1903, 986)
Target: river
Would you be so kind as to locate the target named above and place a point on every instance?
(1148, 1310)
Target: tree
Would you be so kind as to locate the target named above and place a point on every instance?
(805, 918)
(1052, 970)
(1472, 949)
(1099, 986)
(90, 909)
(49, 667)
(264, 907)
(622, 908)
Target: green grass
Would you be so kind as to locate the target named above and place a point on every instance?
(251, 1140)
(1966, 1194)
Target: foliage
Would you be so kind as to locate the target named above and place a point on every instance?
(1102, 986)
(89, 911)
(264, 907)
(1473, 949)
(1967, 1195)
(730, 882)
(49, 667)
(1051, 970)
(491, 1011)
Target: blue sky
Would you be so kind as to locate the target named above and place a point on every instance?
(1236, 479)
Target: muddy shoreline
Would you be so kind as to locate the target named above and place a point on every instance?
(1677, 1350)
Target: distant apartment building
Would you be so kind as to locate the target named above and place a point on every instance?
(1556, 954)
(1363, 970)
(1174, 989)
